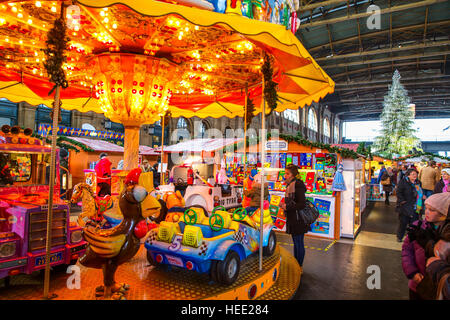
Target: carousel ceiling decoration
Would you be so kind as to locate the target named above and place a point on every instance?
(132, 60)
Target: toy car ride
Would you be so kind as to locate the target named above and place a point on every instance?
(216, 245)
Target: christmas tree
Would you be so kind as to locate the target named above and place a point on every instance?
(397, 134)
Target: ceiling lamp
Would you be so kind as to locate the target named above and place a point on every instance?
(133, 89)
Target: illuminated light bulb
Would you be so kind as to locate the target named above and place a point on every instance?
(26, 59)
(41, 74)
(196, 27)
(2, 21)
(106, 20)
(114, 26)
(177, 23)
(30, 21)
(53, 9)
(186, 29)
(7, 39)
(217, 56)
(37, 60)
(14, 9)
(38, 4)
(34, 71)
(21, 41)
(8, 66)
(19, 15)
(35, 53)
(102, 13)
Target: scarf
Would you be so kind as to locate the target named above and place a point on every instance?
(419, 201)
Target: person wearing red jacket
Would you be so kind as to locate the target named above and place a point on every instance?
(103, 171)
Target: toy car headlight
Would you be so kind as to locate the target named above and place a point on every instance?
(76, 236)
(7, 249)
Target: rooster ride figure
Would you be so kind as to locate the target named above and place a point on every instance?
(109, 248)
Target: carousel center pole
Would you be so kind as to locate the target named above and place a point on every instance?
(50, 195)
(161, 181)
(245, 131)
(263, 156)
(131, 147)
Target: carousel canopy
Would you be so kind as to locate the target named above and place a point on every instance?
(137, 53)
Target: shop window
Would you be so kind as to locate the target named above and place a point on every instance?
(312, 119)
(326, 127)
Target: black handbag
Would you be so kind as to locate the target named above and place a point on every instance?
(308, 214)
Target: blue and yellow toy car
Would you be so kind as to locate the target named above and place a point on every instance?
(214, 245)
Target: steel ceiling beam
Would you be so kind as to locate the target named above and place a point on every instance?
(388, 50)
(312, 6)
(366, 14)
(382, 67)
(387, 59)
(381, 32)
(402, 80)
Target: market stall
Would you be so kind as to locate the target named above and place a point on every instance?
(317, 165)
(82, 163)
(372, 169)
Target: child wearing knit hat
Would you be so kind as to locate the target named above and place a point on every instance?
(422, 236)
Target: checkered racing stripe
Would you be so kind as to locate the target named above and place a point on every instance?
(152, 237)
(238, 236)
(203, 248)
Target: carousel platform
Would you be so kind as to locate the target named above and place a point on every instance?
(279, 280)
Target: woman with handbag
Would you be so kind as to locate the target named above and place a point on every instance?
(295, 201)
(410, 200)
(386, 182)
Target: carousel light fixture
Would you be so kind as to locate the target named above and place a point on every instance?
(133, 89)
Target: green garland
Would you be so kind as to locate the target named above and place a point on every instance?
(344, 152)
(270, 87)
(250, 111)
(54, 52)
(60, 142)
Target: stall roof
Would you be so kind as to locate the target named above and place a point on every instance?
(351, 146)
(105, 146)
(199, 145)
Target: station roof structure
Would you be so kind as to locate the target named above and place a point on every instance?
(413, 37)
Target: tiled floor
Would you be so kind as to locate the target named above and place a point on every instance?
(341, 272)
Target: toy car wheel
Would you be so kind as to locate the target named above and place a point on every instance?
(271, 244)
(228, 269)
(150, 259)
(213, 271)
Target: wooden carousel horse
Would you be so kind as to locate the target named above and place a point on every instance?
(94, 207)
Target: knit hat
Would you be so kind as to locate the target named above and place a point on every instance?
(440, 202)
(447, 170)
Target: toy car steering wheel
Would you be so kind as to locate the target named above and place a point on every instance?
(190, 219)
(239, 214)
(219, 207)
(218, 222)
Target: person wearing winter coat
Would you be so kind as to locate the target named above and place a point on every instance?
(387, 180)
(380, 174)
(103, 172)
(401, 173)
(443, 184)
(294, 201)
(429, 176)
(409, 201)
(421, 239)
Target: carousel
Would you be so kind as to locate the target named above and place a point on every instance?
(138, 62)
